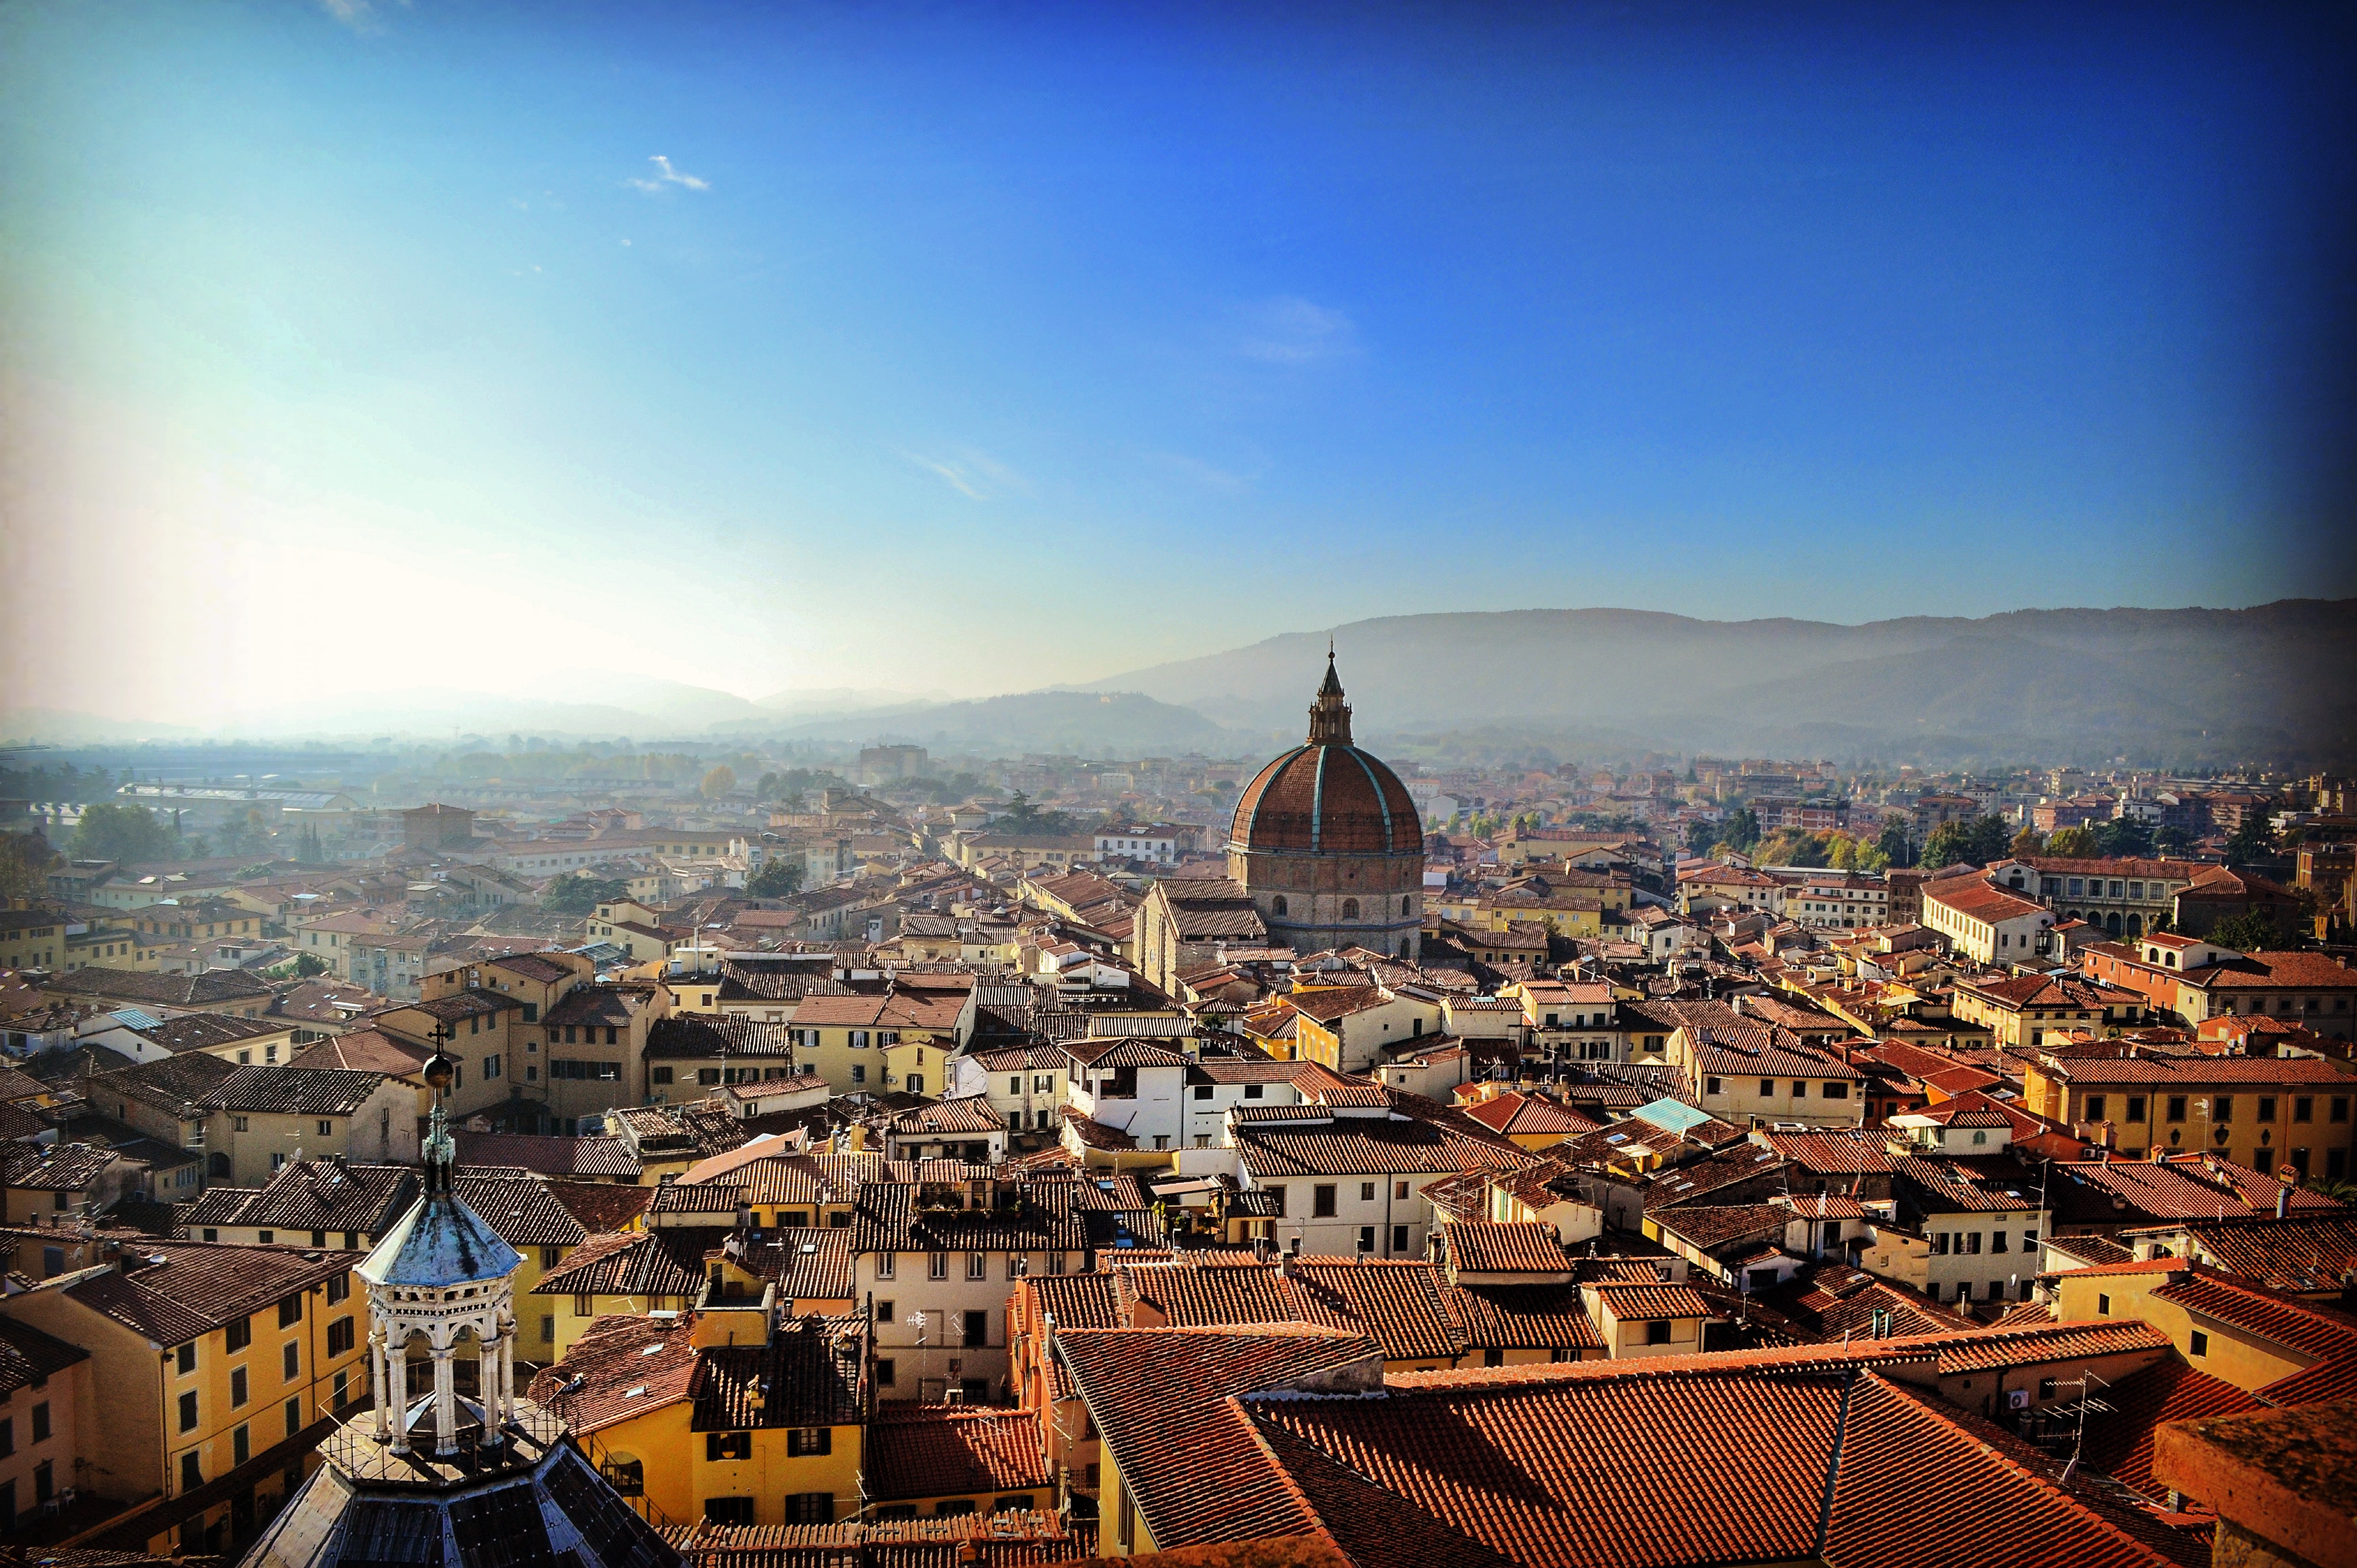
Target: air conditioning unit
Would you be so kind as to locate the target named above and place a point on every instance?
(2016, 1399)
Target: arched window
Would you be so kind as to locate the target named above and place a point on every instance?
(1404, 951)
(2136, 925)
(1276, 904)
(1404, 904)
(625, 1474)
(1349, 908)
(2112, 922)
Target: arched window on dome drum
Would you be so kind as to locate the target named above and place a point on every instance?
(1349, 908)
(1276, 904)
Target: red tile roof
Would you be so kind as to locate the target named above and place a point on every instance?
(198, 1287)
(2302, 1255)
(1398, 1303)
(1482, 1246)
(1979, 900)
(2306, 1326)
(627, 1366)
(1628, 1301)
(2119, 1438)
(931, 1451)
(1517, 1318)
(1162, 1401)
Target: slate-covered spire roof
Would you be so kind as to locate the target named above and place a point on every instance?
(440, 1241)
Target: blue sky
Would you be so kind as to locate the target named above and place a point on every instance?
(970, 349)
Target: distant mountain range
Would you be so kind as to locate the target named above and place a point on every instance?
(2277, 682)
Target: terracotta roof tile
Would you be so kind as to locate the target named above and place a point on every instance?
(198, 1287)
(2119, 1438)
(1161, 1400)
(1483, 1247)
(802, 1376)
(1514, 1317)
(938, 1451)
(627, 1366)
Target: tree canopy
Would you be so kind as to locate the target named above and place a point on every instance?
(130, 833)
(574, 893)
(780, 876)
(1977, 840)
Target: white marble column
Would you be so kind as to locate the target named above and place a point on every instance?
(376, 1381)
(396, 1365)
(507, 1371)
(492, 1388)
(445, 1402)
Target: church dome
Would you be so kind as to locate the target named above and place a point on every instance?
(1328, 796)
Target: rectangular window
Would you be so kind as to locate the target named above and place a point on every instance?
(937, 1265)
(2266, 1107)
(290, 1357)
(187, 1357)
(2222, 1108)
(1202, 1091)
(1835, 1090)
(719, 1445)
(1399, 1238)
(2303, 1108)
(1366, 1192)
(2136, 1107)
(804, 1440)
(2094, 1108)
(886, 1265)
(978, 1330)
(8, 1436)
(340, 1336)
(293, 1415)
(187, 1412)
(1767, 1088)
(548, 1328)
(810, 1508)
(581, 1305)
(2177, 1108)
(192, 1472)
(238, 1333)
(1657, 1331)
(1322, 1201)
(2103, 1306)
(237, 1388)
(2201, 1345)
(886, 1371)
(1366, 1238)
(2340, 1108)
(977, 1265)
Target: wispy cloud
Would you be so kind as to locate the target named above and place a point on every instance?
(1202, 473)
(1290, 330)
(360, 15)
(666, 175)
(974, 474)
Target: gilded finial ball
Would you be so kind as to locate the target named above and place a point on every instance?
(439, 1071)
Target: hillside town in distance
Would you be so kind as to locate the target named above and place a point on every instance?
(750, 1157)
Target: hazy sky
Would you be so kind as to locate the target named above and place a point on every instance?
(354, 346)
